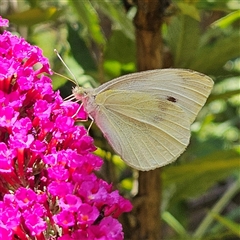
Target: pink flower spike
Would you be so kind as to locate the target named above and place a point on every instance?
(49, 188)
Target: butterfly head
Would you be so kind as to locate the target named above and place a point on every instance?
(87, 97)
(80, 93)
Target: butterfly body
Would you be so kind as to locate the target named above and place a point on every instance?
(146, 116)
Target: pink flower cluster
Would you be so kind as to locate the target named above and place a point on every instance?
(48, 189)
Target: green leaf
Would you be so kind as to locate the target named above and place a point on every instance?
(226, 21)
(115, 12)
(174, 223)
(114, 68)
(194, 178)
(232, 216)
(213, 56)
(127, 184)
(80, 51)
(183, 39)
(218, 207)
(34, 16)
(33, 3)
(189, 10)
(215, 5)
(120, 48)
(234, 227)
(225, 95)
(89, 18)
(39, 39)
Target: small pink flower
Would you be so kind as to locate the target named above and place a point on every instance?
(70, 203)
(3, 22)
(109, 228)
(25, 197)
(34, 223)
(64, 219)
(6, 157)
(87, 214)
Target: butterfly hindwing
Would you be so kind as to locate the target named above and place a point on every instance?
(145, 131)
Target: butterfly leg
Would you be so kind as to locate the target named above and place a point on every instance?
(90, 125)
(76, 113)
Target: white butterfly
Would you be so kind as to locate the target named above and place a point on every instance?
(146, 116)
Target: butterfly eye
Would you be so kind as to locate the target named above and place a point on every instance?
(80, 92)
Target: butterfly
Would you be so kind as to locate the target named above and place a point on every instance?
(146, 116)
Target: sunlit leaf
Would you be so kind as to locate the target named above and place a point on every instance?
(113, 11)
(80, 51)
(125, 50)
(183, 39)
(227, 20)
(127, 184)
(212, 57)
(89, 18)
(192, 179)
(174, 223)
(34, 16)
(189, 9)
(225, 95)
(217, 5)
(233, 226)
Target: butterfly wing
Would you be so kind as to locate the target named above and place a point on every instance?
(146, 116)
(146, 131)
(186, 88)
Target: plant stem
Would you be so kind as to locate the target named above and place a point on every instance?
(219, 206)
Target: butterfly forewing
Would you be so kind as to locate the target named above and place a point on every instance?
(189, 89)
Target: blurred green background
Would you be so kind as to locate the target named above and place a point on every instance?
(200, 196)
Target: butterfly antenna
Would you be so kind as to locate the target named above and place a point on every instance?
(75, 80)
(60, 75)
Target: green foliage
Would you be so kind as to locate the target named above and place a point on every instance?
(183, 39)
(89, 18)
(232, 226)
(83, 57)
(34, 16)
(96, 39)
(201, 173)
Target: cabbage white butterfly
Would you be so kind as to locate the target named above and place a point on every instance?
(146, 116)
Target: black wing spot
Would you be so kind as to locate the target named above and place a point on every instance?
(171, 99)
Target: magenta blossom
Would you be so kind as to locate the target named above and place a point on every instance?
(3, 22)
(48, 186)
